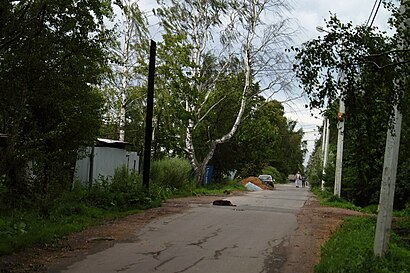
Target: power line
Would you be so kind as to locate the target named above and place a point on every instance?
(374, 12)
(377, 10)
(371, 13)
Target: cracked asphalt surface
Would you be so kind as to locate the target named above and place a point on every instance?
(250, 237)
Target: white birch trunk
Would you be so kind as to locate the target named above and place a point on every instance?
(124, 80)
(198, 21)
(247, 47)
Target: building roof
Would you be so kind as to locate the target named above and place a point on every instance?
(105, 142)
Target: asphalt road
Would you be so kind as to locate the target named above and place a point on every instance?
(245, 238)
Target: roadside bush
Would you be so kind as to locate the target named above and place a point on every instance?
(402, 192)
(124, 191)
(51, 218)
(172, 173)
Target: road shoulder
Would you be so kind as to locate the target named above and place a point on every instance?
(316, 224)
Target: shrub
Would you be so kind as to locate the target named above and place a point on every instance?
(173, 173)
(124, 191)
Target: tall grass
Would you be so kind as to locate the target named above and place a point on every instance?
(327, 198)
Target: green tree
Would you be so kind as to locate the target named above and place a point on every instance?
(265, 138)
(365, 57)
(52, 54)
(190, 27)
(129, 52)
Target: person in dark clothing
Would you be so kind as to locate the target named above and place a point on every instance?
(303, 181)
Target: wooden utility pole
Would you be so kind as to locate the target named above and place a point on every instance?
(391, 155)
(149, 115)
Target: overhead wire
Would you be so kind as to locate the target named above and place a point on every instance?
(370, 21)
(373, 13)
(377, 10)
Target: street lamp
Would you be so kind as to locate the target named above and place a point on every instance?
(321, 29)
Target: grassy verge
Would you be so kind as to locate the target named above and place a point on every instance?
(350, 250)
(24, 229)
(328, 199)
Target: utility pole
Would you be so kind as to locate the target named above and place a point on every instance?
(325, 148)
(384, 217)
(340, 138)
(149, 115)
(339, 153)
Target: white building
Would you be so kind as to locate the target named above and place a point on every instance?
(103, 159)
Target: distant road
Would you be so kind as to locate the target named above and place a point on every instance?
(246, 238)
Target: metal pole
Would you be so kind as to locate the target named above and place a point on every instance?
(149, 115)
(391, 154)
(339, 153)
(91, 170)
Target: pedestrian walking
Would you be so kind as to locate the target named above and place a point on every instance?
(303, 181)
(298, 179)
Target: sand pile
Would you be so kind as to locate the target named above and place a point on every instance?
(256, 181)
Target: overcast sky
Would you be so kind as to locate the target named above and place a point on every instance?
(310, 14)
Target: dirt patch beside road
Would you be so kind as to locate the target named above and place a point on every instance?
(316, 224)
(299, 254)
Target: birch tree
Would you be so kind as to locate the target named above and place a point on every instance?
(228, 31)
(129, 52)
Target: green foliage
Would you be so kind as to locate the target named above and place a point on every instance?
(350, 47)
(125, 191)
(204, 96)
(173, 173)
(402, 194)
(52, 57)
(368, 90)
(276, 175)
(314, 167)
(329, 199)
(265, 138)
(351, 250)
(70, 213)
(52, 219)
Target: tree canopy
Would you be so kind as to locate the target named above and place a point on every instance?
(52, 57)
(359, 65)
